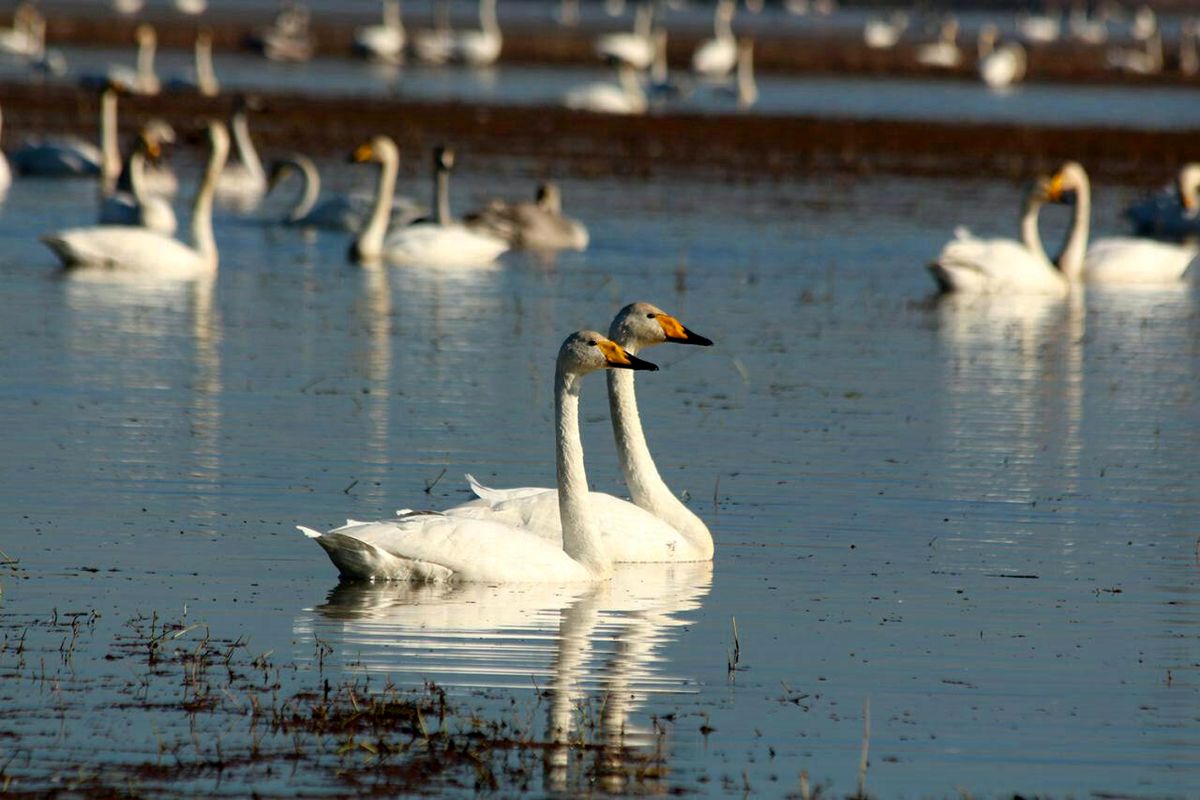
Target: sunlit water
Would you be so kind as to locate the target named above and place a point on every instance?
(980, 517)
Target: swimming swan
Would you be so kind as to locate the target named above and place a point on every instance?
(626, 97)
(716, 57)
(70, 156)
(242, 184)
(1174, 212)
(203, 78)
(423, 546)
(441, 242)
(132, 203)
(656, 526)
(538, 225)
(338, 211)
(137, 251)
(481, 47)
(383, 42)
(635, 48)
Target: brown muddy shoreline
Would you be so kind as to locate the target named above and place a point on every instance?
(797, 52)
(720, 145)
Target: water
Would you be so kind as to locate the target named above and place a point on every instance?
(979, 517)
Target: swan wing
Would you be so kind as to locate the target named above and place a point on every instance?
(1123, 259)
(970, 264)
(438, 547)
(127, 248)
(602, 98)
(629, 48)
(431, 244)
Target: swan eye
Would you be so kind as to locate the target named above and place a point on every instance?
(591, 342)
(649, 316)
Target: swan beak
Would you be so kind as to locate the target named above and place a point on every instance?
(616, 357)
(362, 153)
(678, 334)
(1055, 192)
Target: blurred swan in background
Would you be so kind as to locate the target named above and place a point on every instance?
(481, 47)
(999, 66)
(385, 41)
(656, 526)
(424, 546)
(132, 203)
(203, 77)
(624, 97)
(71, 156)
(1040, 28)
(288, 37)
(143, 253)
(882, 33)
(538, 225)
(338, 211)
(5, 170)
(636, 48)
(942, 52)
(26, 37)
(141, 79)
(716, 57)
(243, 183)
(1173, 212)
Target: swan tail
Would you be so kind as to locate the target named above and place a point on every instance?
(481, 491)
(361, 560)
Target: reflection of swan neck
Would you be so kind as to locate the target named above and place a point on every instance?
(110, 161)
(370, 241)
(202, 229)
(581, 534)
(245, 145)
(1070, 261)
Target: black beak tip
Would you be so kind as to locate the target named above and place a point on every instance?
(691, 337)
(641, 364)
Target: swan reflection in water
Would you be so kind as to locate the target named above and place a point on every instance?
(574, 642)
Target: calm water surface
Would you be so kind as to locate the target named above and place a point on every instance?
(982, 518)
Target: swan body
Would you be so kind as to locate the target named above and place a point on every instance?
(635, 48)
(441, 242)
(481, 47)
(288, 38)
(441, 547)
(943, 52)
(25, 37)
(1173, 213)
(656, 526)
(137, 206)
(142, 79)
(1126, 260)
(145, 253)
(1039, 28)
(539, 225)
(436, 45)
(383, 42)
(999, 66)
(882, 33)
(625, 97)
(70, 156)
(341, 212)
(242, 184)
(716, 57)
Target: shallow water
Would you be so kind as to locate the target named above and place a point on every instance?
(979, 517)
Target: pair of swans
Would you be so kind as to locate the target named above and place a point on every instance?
(538, 225)
(1174, 212)
(549, 535)
(336, 211)
(477, 48)
(439, 242)
(138, 252)
(1003, 266)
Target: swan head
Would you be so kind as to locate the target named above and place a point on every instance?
(1189, 186)
(588, 351)
(158, 131)
(641, 325)
(549, 197)
(378, 150)
(145, 35)
(1067, 183)
(1037, 192)
(443, 159)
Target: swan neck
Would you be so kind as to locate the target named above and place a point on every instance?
(391, 15)
(723, 24)
(1070, 261)
(747, 89)
(581, 532)
(370, 241)
(487, 16)
(245, 145)
(145, 58)
(441, 195)
(110, 153)
(137, 176)
(310, 190)
(206, 76)
(202, 207)
(1031, 235)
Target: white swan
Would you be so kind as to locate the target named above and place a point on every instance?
(624, 97)
(5, 170)
(133, 204)
(1085, 28)
(143, 253)
(1172, 213)
(538, 225)
(1040, 28)
(383, 42)
(882, 33)
(436, 45)
(716, 57)
(25, 37)
(943, 52)
(342, 212)
(999, 66)
(141, 79)
(635, 48)
(70, 156)
(441, 242)
(203, 78)
(1119, 259)
(439, 547)
(1004, 266)
(288, 37)
(481, 47)
(656, 526)
(1146, 60)
(242, 184)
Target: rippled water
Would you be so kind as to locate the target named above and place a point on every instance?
(982, 518)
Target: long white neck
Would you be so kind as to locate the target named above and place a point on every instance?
(1070, 261)
(110, 162)
(310, 190)
(441, 194)
(646, 486)
(202, 207)
(723, 23)
(747, 88)
(206, 76)
(370, 242)
(391, 15)
(581, 533)
(245, 146)
(1031, 235)
(137, 176)
(642, 21)
(145, 58)
(487, 16)
(630, 86)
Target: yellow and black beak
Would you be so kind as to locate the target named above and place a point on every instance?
(1056, 191)
(362, 153)
(617, 357)
(678, 334)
